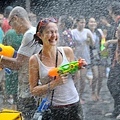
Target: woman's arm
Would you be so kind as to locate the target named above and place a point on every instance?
(39, 90)
(13, 63)
(69, 53)
(108, 42)
(90, 39)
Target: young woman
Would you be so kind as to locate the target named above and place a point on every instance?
(83, 39)
(62, 91)
(97, 62)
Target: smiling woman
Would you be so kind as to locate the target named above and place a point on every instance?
(60, 91)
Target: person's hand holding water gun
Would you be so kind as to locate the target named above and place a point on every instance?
(7, 51)
(70, 68)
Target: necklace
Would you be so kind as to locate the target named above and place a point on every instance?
(41, 56)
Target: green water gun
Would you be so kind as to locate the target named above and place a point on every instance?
(70, 68)
(102, 47)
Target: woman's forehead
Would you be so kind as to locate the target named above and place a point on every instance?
(82, 20)
(51, 25)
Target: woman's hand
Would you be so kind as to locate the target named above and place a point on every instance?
(82, 62)
(62, 79)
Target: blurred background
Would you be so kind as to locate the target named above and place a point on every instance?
(58, 7)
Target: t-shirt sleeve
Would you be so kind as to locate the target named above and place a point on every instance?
(27, 47)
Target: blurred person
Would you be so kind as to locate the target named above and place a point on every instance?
(109, 31)
(33, 18)
(106, 27)
(1, 40)
(63, 95)
(5, 24)
(1, 31)
(113, 82)
(11, 79)
(97, 61)
(83, 39)
(19, 21)
(65, 24)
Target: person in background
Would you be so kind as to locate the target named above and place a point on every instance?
(83, 39)
(65, 24)
(33, 18)
(63, 93)
(5, 24)
(1, 40)
(19, 21)
(1, 31)
(97, 62)
(106, 27)
(113, 82)
(11, 79)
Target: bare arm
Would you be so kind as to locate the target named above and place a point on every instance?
(39, 90)
(90, 39)
(69, 53)
(13, 63)
(108, 42)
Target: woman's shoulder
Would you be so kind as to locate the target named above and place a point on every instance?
(67, 50)
(33, 58)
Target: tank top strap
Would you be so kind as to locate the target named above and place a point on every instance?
(63, 54)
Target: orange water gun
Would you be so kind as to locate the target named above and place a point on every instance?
(70, 68)
(7, 51)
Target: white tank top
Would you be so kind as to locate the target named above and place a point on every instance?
(63, 94)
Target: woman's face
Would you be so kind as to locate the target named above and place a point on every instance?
(92, 24)
(50, 34)
(81, 24)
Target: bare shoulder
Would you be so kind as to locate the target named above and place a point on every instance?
(68, 50)
(69, 53)
(33, 59)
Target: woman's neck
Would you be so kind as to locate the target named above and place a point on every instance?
(48, 57)
(92, 30)
(80, 29)
(49, 52)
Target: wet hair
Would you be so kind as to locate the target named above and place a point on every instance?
(114, 7)
(80, 18)
(7, 11)
(36, 38)
(67, 20)
(19, 12)
(41, 26)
